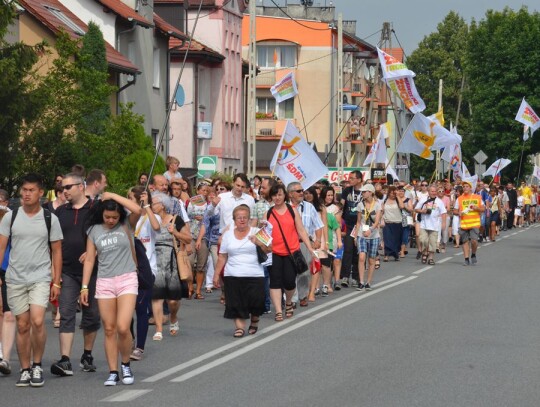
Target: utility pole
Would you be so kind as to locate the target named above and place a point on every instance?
(250, 122)
(438, 162)
(340, 157)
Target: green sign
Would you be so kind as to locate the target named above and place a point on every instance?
(206, 165)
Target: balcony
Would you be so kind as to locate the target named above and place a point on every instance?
(269, 129)
(265, 79)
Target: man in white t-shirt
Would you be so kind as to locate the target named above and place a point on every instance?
(225, 203)
(432, 212)
(28, 277)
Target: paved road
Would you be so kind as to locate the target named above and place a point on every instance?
(442, 335)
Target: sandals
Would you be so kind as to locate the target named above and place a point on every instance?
(158, 336)
(278, 317)
(254, 327)
(424, 258)
(174, 328)
(304, 302)
(222, 300)
(385, 259)
(239, 333)
(289, 310)
(377, 264)
(208, 291)
(199, 296)
(431, 262)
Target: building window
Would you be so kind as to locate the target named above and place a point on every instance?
(266, 106)
(156, 79)
(286, 109)
(65, 19)
(276, 56)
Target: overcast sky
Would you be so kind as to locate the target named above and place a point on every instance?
(411, 19)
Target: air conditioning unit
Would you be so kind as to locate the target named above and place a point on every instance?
(204, 130)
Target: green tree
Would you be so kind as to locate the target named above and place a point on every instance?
(503, 66)
(441, 55)
(18, 96)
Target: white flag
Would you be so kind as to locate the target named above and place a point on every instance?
(295, 161)
(464, 171)
(391, 67)
(527, 116)
(473, 180)
(496, 167)
(525, 133)
(405, 89)
(285, 88)
(377, 153)
(391, 171)
(423, 135)
(536, 172)
(452, 155)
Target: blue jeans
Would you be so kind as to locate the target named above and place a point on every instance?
(267, 301)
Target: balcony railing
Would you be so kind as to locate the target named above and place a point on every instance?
(270, 127)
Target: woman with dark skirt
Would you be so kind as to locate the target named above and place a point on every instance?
(243, 275)
(393, 228)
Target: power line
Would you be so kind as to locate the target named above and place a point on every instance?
(268, 72)
(296, 21)
(215, 10)
(399, 43)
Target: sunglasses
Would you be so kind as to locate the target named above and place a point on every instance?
(299, 191)
(68, 186)
(222, 189)
(423, 185)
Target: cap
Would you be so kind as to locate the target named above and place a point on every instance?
(368, 187)
(467, 182)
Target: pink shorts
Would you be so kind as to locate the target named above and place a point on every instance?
(114, 287)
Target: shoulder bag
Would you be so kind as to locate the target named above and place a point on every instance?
(182, 258)
(299, 262)
(144, 271)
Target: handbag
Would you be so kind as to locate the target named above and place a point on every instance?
(299, 262)
(144, 271)
(182, 260)
(262, 257)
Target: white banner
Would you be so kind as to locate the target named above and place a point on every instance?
(405, 89)
(536, 172)
(295, 161)
(496, 167)
(464, 171)
(527, 116)
(391, 67)
(452, 155)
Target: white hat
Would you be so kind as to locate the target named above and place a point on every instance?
(368, 187)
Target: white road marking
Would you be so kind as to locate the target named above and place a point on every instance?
(273, 327)
(422, 270)
(487, 244)
(126, 395)
(443, 260)
(285, 331)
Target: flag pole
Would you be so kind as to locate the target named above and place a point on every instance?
(521, 159)
(496, 172)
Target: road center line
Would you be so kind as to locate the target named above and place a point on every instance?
(422, 270)
(175, 369)
(285, 331)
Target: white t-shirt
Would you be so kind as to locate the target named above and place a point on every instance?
(147, 236)
(226, 206)
(242, 255)
(431, 222)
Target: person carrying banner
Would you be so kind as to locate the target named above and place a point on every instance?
(469, 207)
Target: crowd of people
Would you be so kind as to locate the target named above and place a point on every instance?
(322, 239)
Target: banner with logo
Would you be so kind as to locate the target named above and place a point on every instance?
(423, 135)
(452, 155)
(527, 116)
(295, 161)
(405, 89)
(285, 88)
(391, 67)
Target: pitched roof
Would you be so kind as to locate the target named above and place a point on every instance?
(124, 11)
(191, 3)
(168, 29)
(197, 48)
(53, 15)
(395, 52)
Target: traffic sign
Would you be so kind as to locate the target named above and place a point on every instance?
(480, 157)
(206, 165)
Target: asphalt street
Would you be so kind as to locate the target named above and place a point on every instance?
(443, 335)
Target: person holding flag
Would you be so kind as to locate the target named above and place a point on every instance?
(469, 207)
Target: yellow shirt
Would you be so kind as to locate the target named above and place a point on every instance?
(527, 195)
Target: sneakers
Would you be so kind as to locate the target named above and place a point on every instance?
(37, 377)
(62, 368)
(24, 380)
(324, 291)
(368, 287)
(360, 287)
(112, 380)
(474, 261)
(87, 363)
(317, 292)
(127, 374)
(5, 368)
(354, 283)
(136, 354)
(345, 282)
(466, 262)
(337, 286)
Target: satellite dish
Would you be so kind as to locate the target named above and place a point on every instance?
(180, 96)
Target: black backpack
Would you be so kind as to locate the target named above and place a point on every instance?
(48, 221)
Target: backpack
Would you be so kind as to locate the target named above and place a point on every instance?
(48, 221)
